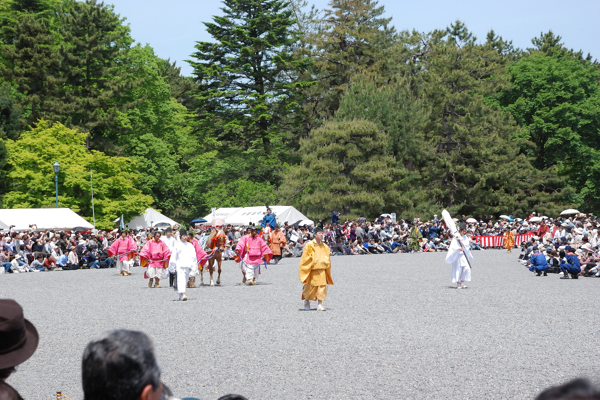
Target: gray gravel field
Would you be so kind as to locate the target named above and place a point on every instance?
(394, 329)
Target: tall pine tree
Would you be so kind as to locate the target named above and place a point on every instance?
(95, 69)
(476, 169)
(33, 64)
(246, 94)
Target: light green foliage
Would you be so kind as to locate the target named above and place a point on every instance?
(344, 166)
(30, 160)
(556, 99)
(155, 133)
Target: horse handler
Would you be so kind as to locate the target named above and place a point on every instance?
(251, 251)
(315, 271)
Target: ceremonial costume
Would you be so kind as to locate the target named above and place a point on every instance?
(185, 261)
(124, 249)
(155, 256)
(201, 256)
(276, 242)
(252, 250)
(509, 240)
(415, 237)
(315, 272)
(170, 242)
(461, 272)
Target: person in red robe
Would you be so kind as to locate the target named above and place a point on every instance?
(155, 256)
(124, 249)
(253, 251)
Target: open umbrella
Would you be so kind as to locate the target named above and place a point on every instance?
(569, 211)
(199, 221)
(162, 225)
(504, 217)
(471, 220)
(80, 229)
(217, 222)
(535, 219)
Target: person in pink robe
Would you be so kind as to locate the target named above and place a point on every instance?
(155, 256)
(253, 250)
(124, 248)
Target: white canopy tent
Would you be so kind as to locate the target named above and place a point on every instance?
(247, 215)
(42, 218)
(148, 219)
(222, 213)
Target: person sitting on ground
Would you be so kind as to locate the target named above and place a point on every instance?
(570, 264)
(18, 341)
(90, 259)
(72, 260)
(121, 365)
(5, 261)
(538, 263)
(49, 263)
(38, 263)
(17, 266)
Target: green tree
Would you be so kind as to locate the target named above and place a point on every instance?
(95, 66)
(402, 115)
(556, 99)
(477, 168)
(33, 65)
(246, 96)
(345, 167)
(31, 176)
(351, 38)
(155, 134)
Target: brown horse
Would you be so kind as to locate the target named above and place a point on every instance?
(216, 242)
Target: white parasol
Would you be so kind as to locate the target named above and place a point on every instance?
(504, 217)
(535, 219)
(217, 222)
(569, 211)
(472, 220)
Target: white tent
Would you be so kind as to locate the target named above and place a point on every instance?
(43, 218)
(148, 219)
(222, 213)
(246, 215)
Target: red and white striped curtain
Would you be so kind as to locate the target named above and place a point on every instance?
(498, 241)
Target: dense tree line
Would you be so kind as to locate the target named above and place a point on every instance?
(320, 109)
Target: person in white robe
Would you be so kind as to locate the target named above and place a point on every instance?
(185, 262)
(170, 241)
(457, 253)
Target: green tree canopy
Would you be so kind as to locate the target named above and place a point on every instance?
(30, 160)
(344, 166)
(246, 94)
(556, 99)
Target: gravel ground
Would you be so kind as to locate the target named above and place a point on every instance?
(394, 329)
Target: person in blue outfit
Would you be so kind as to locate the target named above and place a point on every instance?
(538, 263)
(570, 264)
(269, 219)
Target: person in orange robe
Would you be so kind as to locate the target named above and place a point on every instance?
(315, 271)
(276, 243)
(509, 240)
